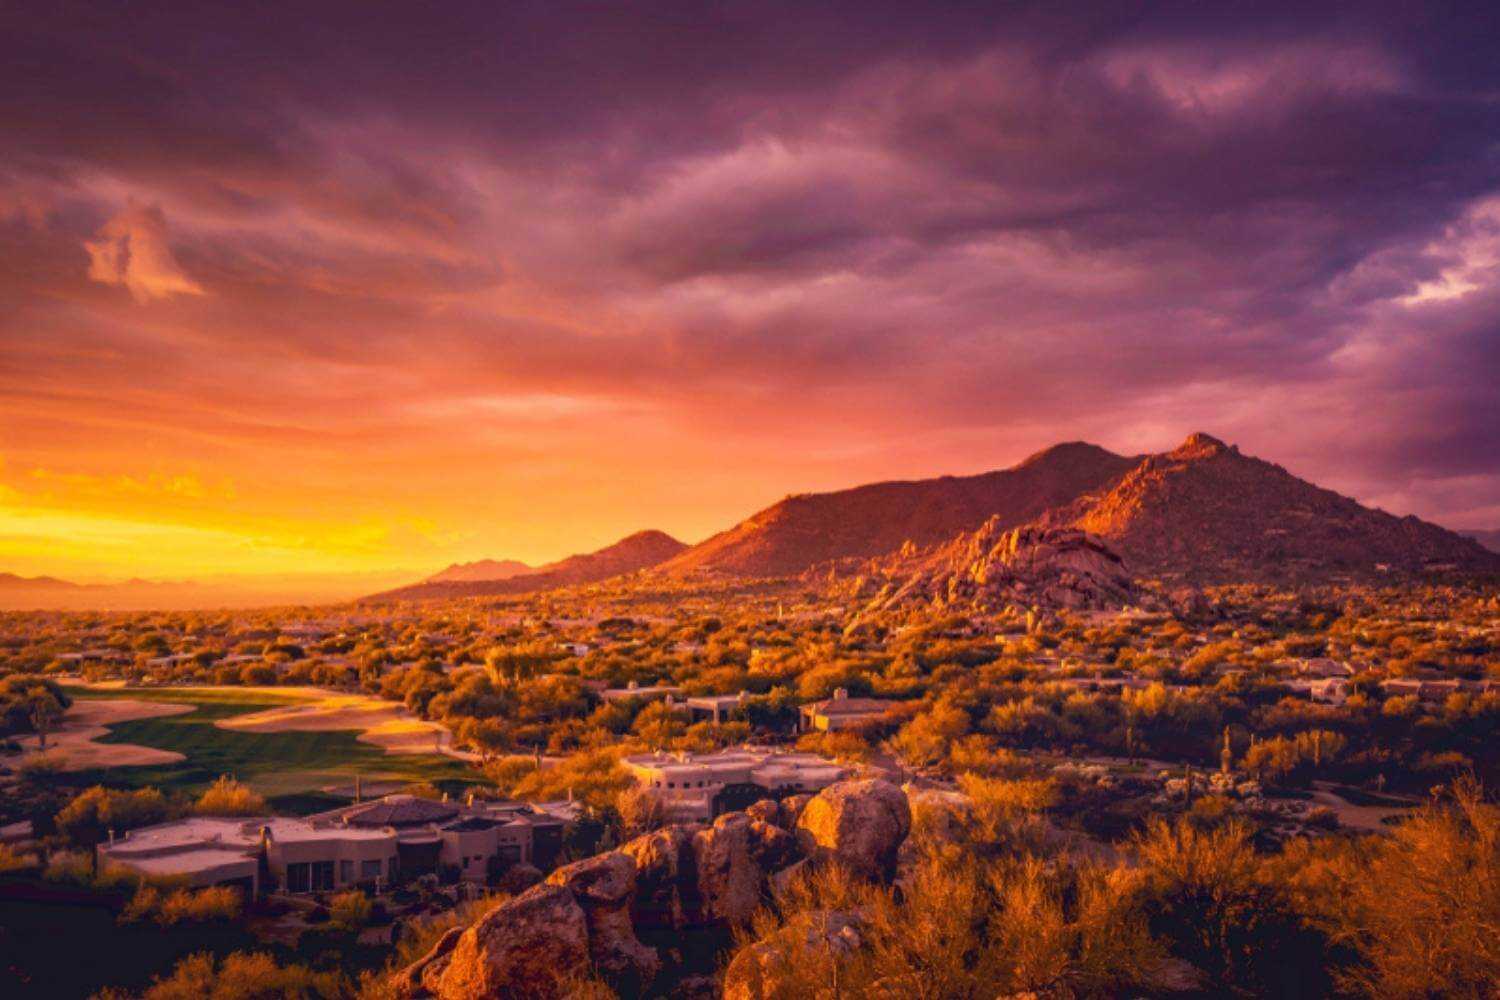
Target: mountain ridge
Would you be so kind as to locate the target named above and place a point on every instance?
(807, 529)
(638, 551)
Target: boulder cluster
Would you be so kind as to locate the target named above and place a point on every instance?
(587, 915)
(992, 568)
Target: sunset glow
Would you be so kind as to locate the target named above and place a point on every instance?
(421, 290)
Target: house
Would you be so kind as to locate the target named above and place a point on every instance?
(170, 660)
(634, 690)
(695, 787)
(841, 712)
(1322, 666)
(1099, 682)
(94, 656)
(1433, 690)
(370, 843)
(715, 708)
(1329, 690)
(258, 855)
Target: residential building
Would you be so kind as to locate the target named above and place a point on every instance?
(715, 708)
(1322, 666)
(841, 712)
(369, 843)
(634, 690)
(1329, 690)
(701, 786)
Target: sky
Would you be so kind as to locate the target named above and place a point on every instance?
(345, 288)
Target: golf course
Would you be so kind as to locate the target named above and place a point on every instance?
(290, 765)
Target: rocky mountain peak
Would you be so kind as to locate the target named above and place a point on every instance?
(1199, 445)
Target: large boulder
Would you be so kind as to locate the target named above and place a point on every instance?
(527, 946)
(604, 886)
(765, 811)
(666, 878)
(731, 881)
(780, 965)
(860, 824)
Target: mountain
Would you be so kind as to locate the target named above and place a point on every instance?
(11, 583)
(639, 551)
(1205, 512)
(484, 569)
(1489, 539)
(18, 593)
(867, 521)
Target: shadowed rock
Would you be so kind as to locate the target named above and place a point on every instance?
(860, 824)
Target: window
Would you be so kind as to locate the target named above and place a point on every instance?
(346, 872)
(369, 869)
(322, 875)
(298, 877)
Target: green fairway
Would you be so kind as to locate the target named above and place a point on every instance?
(275, 764)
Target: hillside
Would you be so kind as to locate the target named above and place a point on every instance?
(1206, 512)
(1489, 539)
(868, 521)
(483, 569)
(639, 551)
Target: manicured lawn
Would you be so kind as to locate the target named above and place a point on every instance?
(275, 764)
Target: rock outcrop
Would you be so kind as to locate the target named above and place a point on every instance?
(992, 568)
(584, 918)
(604, 886)
(526, 946)
(666, 878)
(860, 824)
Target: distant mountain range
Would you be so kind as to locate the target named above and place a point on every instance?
(38, 593)
(639, 551)
(1201, 513)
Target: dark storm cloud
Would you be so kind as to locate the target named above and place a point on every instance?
(936, 222)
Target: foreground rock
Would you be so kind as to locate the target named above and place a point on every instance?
(604, 887)
(860, 824)
(584, 918)
(526, 946)
(773, 966)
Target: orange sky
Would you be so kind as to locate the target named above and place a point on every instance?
(352, 293)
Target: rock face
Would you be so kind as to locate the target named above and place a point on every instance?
(523, 947)
(604, 887)
(666, 878)
(860, 824)
(989, 569)
(585, 916)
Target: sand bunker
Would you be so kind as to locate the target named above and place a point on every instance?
(386, 724)
(72, 746)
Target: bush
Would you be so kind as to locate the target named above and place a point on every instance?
(227, 797)
(242, 976)
(70, 868)
(13, 860)
(350, 911)
(93, 813)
